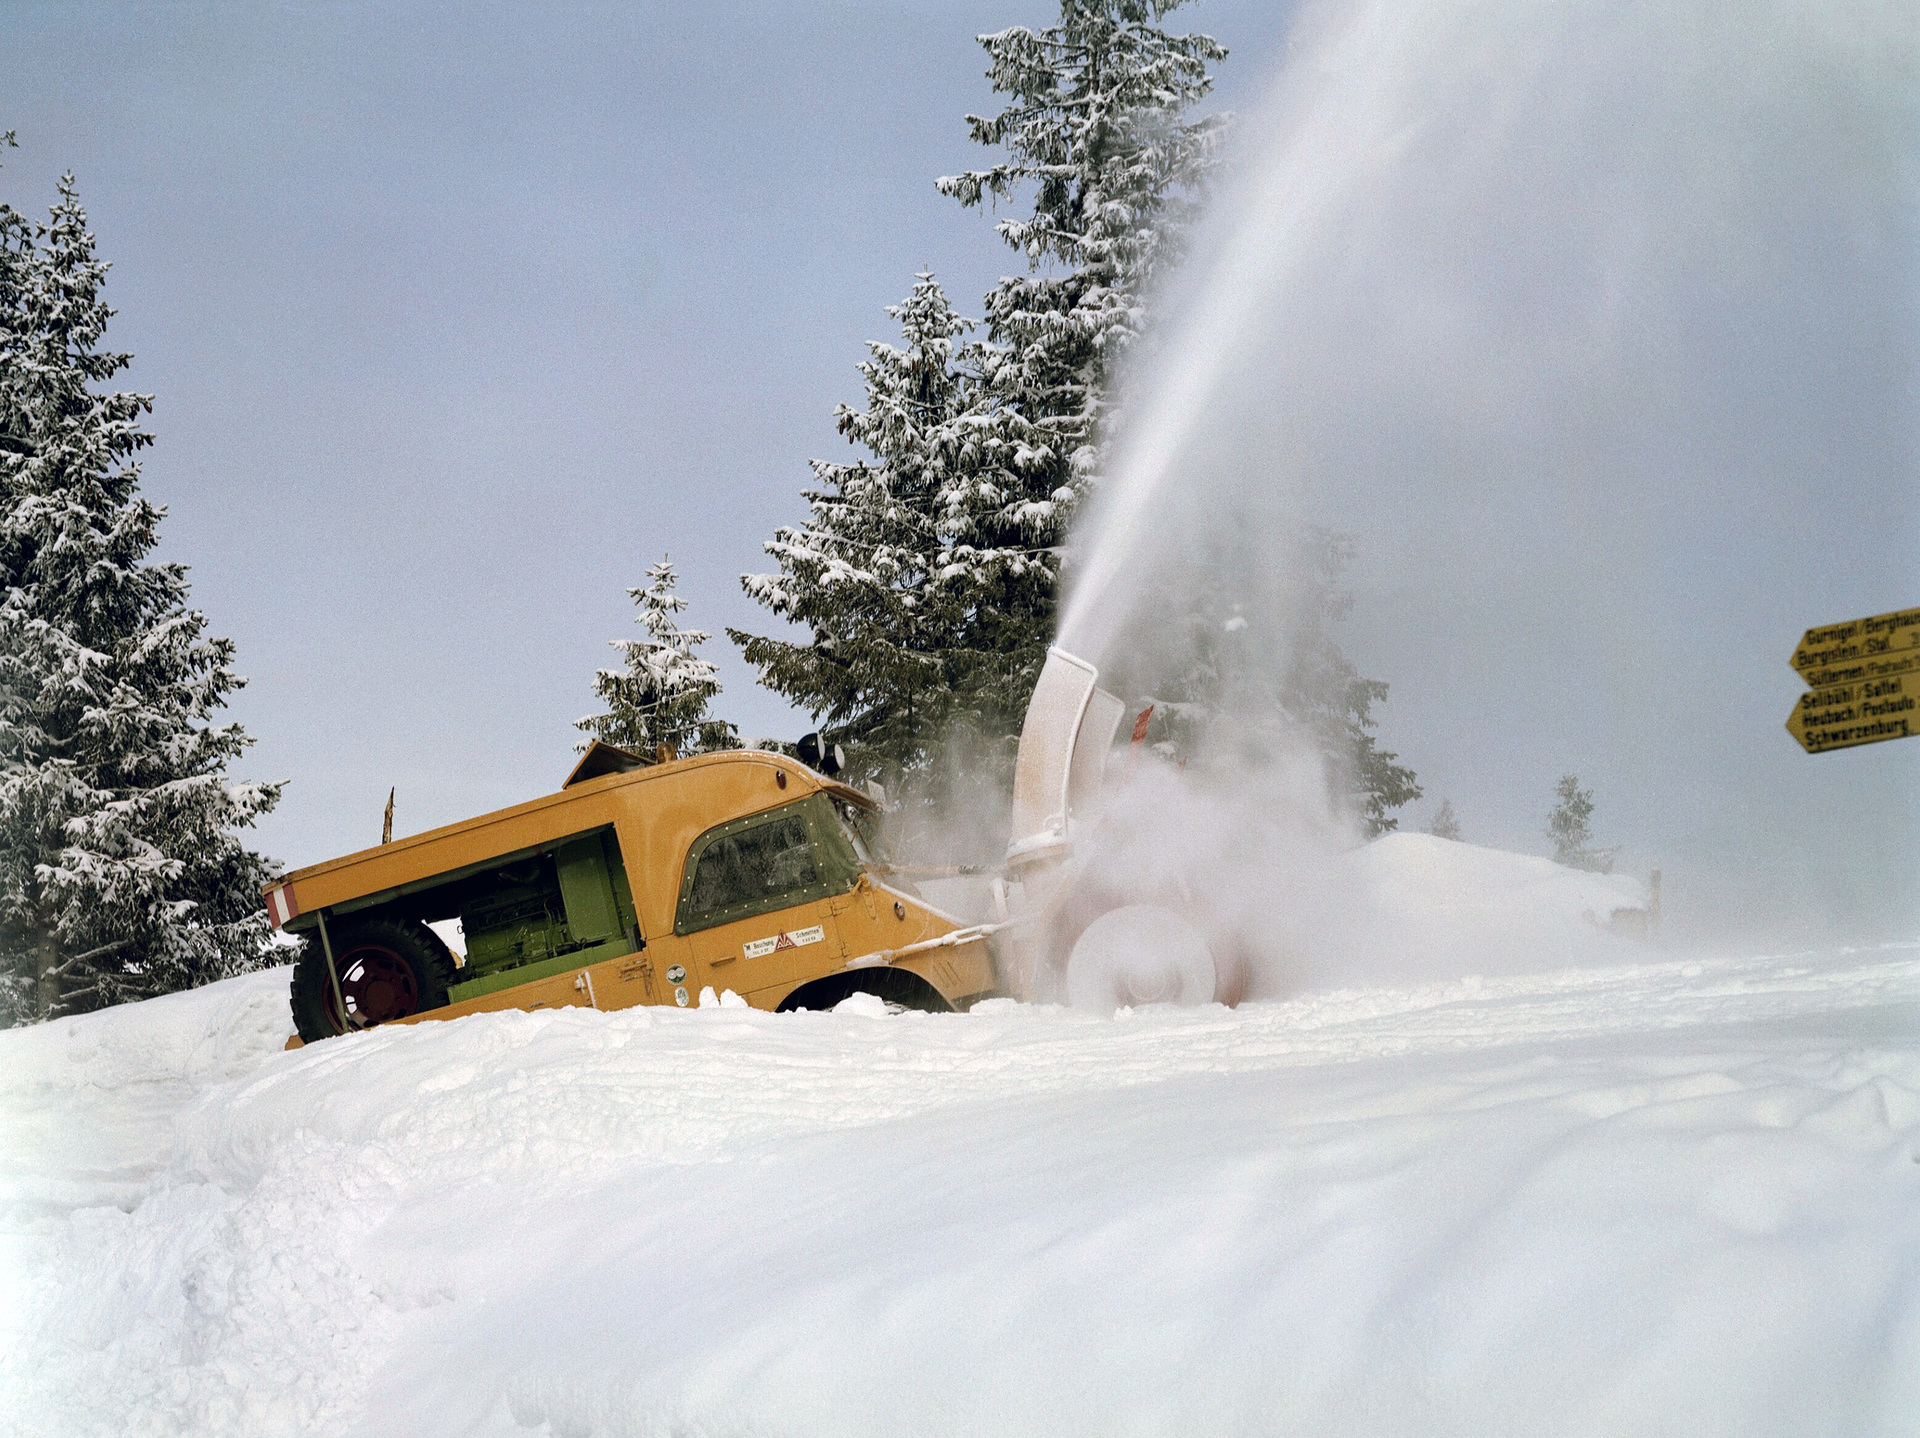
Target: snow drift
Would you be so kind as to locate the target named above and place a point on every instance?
(1665, 1196)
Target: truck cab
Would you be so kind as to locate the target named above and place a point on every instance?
(637, 883)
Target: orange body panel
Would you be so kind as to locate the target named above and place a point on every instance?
(656, 814)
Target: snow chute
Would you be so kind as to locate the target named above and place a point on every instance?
(1133, 954)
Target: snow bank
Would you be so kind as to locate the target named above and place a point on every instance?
(1671, 1197)
(1306, 906)
(86, 1103)
(1431, 908)
(195, 1037)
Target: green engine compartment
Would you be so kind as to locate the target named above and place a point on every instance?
(528, 914)
(561, 908)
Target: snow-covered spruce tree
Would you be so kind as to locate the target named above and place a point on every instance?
(121, 872)
(1444, 824)
(663, 694)
(1250, 672)
(888, 654)
(17, 236)
(1570, 827)
(1321, 688)
(1094, 133)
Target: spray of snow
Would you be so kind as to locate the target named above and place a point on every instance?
(1533, 296)
(1473, 231)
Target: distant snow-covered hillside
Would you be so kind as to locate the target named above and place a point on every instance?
(1430, 908)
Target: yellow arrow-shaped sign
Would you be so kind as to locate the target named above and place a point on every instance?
(1858, 650)
(1843, 715)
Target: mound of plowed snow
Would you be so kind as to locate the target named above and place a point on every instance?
(1663, 1197)
(1437, 908)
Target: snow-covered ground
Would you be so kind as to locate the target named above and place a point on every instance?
(1668, 1196)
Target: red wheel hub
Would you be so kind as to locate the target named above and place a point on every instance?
(377, 985)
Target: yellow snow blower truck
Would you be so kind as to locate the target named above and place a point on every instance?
(640, 882)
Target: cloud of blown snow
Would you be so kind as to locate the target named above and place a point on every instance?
(1289, 899)
(1596, 326)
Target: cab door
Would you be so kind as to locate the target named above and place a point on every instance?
(754, 901)
(762, 958)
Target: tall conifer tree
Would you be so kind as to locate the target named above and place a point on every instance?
(1096, 139)
(866, 575)
(121, 872)
(929, 577)
(1095, 132)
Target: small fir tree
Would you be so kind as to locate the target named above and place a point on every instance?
(867, 575)
(663, 694)
(1570, 828)
(1443, 824)
(121, 870)
(1094, 132)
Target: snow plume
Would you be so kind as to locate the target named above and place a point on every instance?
(1289, 900)
(945, 828)
(954, 809)
(1253, 858)
(1584, 320)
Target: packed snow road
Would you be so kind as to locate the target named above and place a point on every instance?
(1671, 1198)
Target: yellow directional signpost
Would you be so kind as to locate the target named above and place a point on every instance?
(1865, 678)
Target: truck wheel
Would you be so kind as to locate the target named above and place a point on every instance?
(389, 969)
(901, 988)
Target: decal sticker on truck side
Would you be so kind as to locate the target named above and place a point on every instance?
(760, 948)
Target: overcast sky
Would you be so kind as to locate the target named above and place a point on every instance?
(459, 317)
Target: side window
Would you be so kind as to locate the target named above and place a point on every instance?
(761, 863)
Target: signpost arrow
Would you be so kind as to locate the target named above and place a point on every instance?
(1900, 661)
(1843, 715)
(1880, 647)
